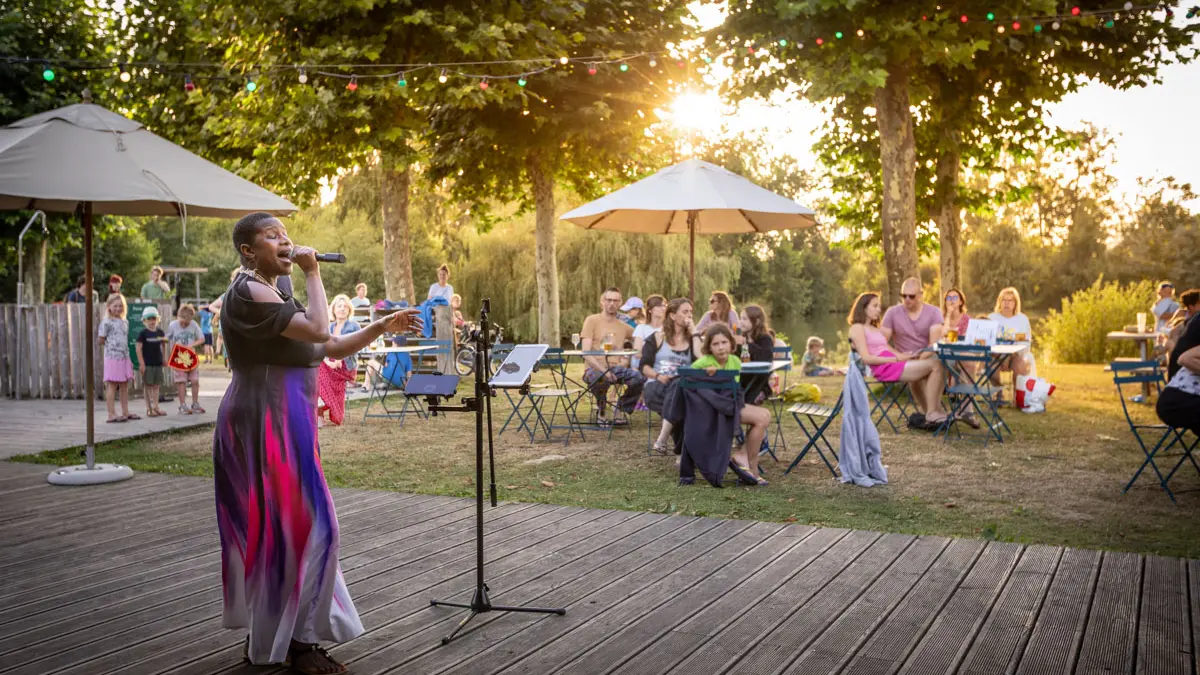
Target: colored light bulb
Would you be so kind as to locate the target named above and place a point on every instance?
(48, 74)
(521, 82)
(624, 67)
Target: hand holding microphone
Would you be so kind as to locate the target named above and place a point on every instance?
(307, 258)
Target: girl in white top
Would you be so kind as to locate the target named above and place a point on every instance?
(442, 289)
(1008, 315)
(656, 312)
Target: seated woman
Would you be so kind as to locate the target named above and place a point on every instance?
(1008, 315)
(663, 354)
(718, 355)
(656, 313)
(954, 312)
(720, 309)
(334, 374)
(760, 346)
(888, 366)
(1179, 403)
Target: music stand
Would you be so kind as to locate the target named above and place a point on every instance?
(522, 365)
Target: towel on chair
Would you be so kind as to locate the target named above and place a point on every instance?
(860, 453)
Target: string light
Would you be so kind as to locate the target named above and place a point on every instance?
(402, 82)
(188, 86)
(624, 67)
(963, 18)
(353, 86)
(1055, 25)
(442, 78)
(48, 74)
(563, 60)
(592, 70)
(521, 82)
(859, 32)
(1128, 6)
(820, 41)
(1108, 24)
(1000, 29)
(783, 43)
(1037, 27)
(653, 63)
(1075, 11)
(838, 35)
(483, 84)
(303, 77)
(124, 76)
(251, 85)
(1016, 25)
(991, 16)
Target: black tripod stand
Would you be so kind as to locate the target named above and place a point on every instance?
(481, 402)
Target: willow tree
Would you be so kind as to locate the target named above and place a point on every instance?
(288, 126)
(581, 123)
(977, 80)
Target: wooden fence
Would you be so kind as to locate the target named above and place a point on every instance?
(51, 339)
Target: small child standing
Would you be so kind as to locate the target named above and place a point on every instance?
(814, 354)
(205, 317)
(118, 371)
(186, 332)
(151, 353)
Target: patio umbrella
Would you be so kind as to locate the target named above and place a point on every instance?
(89, 159)
(692, 197)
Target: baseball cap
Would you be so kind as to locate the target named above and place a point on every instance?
(149, 313)
(633, 303)
(1165, 284)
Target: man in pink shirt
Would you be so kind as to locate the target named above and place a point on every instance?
(912, 325)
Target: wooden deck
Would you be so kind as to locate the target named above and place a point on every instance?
(125, 579)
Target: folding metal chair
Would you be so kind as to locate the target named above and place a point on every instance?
(886, 397)
(384, 379)
(1162, 437)
(535, 420)
(966, 390)
(425, 363)
(777, 404)
(819, 417)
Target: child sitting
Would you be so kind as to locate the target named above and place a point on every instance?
(814, 354)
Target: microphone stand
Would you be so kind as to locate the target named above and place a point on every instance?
(481, 402)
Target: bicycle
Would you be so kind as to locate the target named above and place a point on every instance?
(464, 354)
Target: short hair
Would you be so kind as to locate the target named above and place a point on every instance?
(858, 311)
(158, 269)
(1008, 291)
(359, 285)
(342, 298)
(714, 329)
(186, 307)
(115, 277)
(81, 281)
(915, 280)
(813, 341)
(610, 289)
(246, 229)
(1190, 297)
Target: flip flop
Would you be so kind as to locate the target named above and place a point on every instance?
(132, 417)
(115, 420)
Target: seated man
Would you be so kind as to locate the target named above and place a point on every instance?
(602, 371)
(912, 326)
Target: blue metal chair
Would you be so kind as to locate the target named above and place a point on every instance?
(887, 398)
(1154, 439)
(554, 363)
(819, 417)
(723, 380)
(967, 390)
(777, 404)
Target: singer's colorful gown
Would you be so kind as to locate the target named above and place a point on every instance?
(279, 532)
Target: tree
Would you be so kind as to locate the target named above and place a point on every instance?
(978, 91)
(290, 135)
(578, 124)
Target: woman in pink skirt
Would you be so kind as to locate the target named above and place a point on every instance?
(887, 366)
(118, 369)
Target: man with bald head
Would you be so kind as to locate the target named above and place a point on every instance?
(912, 325)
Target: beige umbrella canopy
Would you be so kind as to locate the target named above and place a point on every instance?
(87, 158)
(692, 197)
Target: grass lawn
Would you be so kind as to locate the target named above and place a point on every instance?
(1058, 482)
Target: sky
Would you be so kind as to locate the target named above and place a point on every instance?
(1157, 127)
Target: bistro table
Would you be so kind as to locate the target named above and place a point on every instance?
(380, 388)
(1000, 353)
(1143, 341)
(586, 388)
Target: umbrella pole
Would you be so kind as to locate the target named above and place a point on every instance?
(691, 221)
(89, 473)
(89, 331)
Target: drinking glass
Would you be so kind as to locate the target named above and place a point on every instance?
(952, 335)
(608, 342)
(575, 340)
(1141, 322)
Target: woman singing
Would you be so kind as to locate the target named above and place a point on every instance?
(279, 532)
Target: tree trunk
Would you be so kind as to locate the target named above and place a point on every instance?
(35, 274)
(946, 210)
(898, 157)
(546, 266)
(397, 254)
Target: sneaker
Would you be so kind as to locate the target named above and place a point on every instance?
(184, 410)
(603, 422)
(197, 410)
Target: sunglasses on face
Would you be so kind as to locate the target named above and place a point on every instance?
(952, 298)
(909, 296)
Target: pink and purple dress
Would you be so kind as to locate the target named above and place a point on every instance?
(278, 528)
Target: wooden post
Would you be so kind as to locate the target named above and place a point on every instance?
(691, 223)
(89, 332)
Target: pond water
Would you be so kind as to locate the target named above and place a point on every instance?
(824, 326)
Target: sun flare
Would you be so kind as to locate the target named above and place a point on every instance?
(699, 112)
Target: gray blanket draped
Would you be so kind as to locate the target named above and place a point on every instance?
(859, 456)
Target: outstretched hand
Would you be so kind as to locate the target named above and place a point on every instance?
(403, 321)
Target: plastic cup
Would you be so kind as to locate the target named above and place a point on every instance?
(1141, 322)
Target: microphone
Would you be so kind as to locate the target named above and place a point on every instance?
(338, 258)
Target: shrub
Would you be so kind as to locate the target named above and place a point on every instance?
(1078, 334)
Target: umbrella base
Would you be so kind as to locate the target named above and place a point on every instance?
(81, 475)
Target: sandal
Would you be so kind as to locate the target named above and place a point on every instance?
(313, 660)
(131, 416)
(660, 448)
(115, 420)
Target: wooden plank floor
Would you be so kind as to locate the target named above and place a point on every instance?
(125, 579)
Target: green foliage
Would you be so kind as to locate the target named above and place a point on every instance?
(999, 256)
(1077, 333)
(1161, 239)
(499, 264)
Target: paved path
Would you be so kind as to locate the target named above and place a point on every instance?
(31, 426)
(125, 579)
